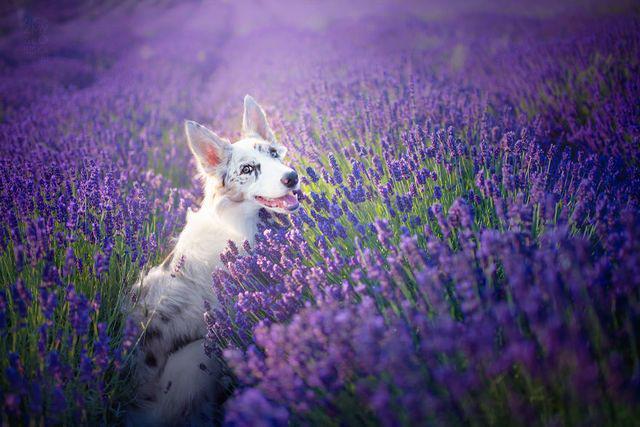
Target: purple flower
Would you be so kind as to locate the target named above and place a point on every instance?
(312, 174)
(251, 408)
(21, 297)
(437, 192)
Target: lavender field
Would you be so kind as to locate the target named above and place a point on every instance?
(468, 247)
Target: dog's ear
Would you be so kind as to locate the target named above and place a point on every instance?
(211, 151)
(254, 121)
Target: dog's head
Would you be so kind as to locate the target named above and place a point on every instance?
(250, 170)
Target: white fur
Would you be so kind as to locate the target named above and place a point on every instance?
(171, 296)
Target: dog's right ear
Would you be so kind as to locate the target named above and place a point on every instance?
(211, 151)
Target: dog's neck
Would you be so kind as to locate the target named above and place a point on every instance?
(208, 231)
(238, 217)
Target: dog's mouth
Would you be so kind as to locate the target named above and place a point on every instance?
(288, 202)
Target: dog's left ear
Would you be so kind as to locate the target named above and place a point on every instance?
(254, 121)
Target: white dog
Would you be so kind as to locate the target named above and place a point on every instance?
(175, 380)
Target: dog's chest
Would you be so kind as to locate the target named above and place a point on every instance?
(181, 284)
(200, 245)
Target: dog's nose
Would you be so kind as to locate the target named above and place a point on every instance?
(290, 179)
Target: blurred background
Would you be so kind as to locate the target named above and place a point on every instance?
(47, 46)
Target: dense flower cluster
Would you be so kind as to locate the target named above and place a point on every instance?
(512, 283)
(467, 250)
(582, 85)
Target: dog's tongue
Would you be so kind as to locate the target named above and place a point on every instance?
(289, 202)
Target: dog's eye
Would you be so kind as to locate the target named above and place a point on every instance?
(246, 169)
(274, 153)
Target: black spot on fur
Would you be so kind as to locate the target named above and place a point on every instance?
(180, 342)
(150, 360)
(164, 318)
(204, 368)
(149, 398)
(152, 334)
(166, 390)
(256, 170)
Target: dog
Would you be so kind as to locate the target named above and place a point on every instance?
(176, 383)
